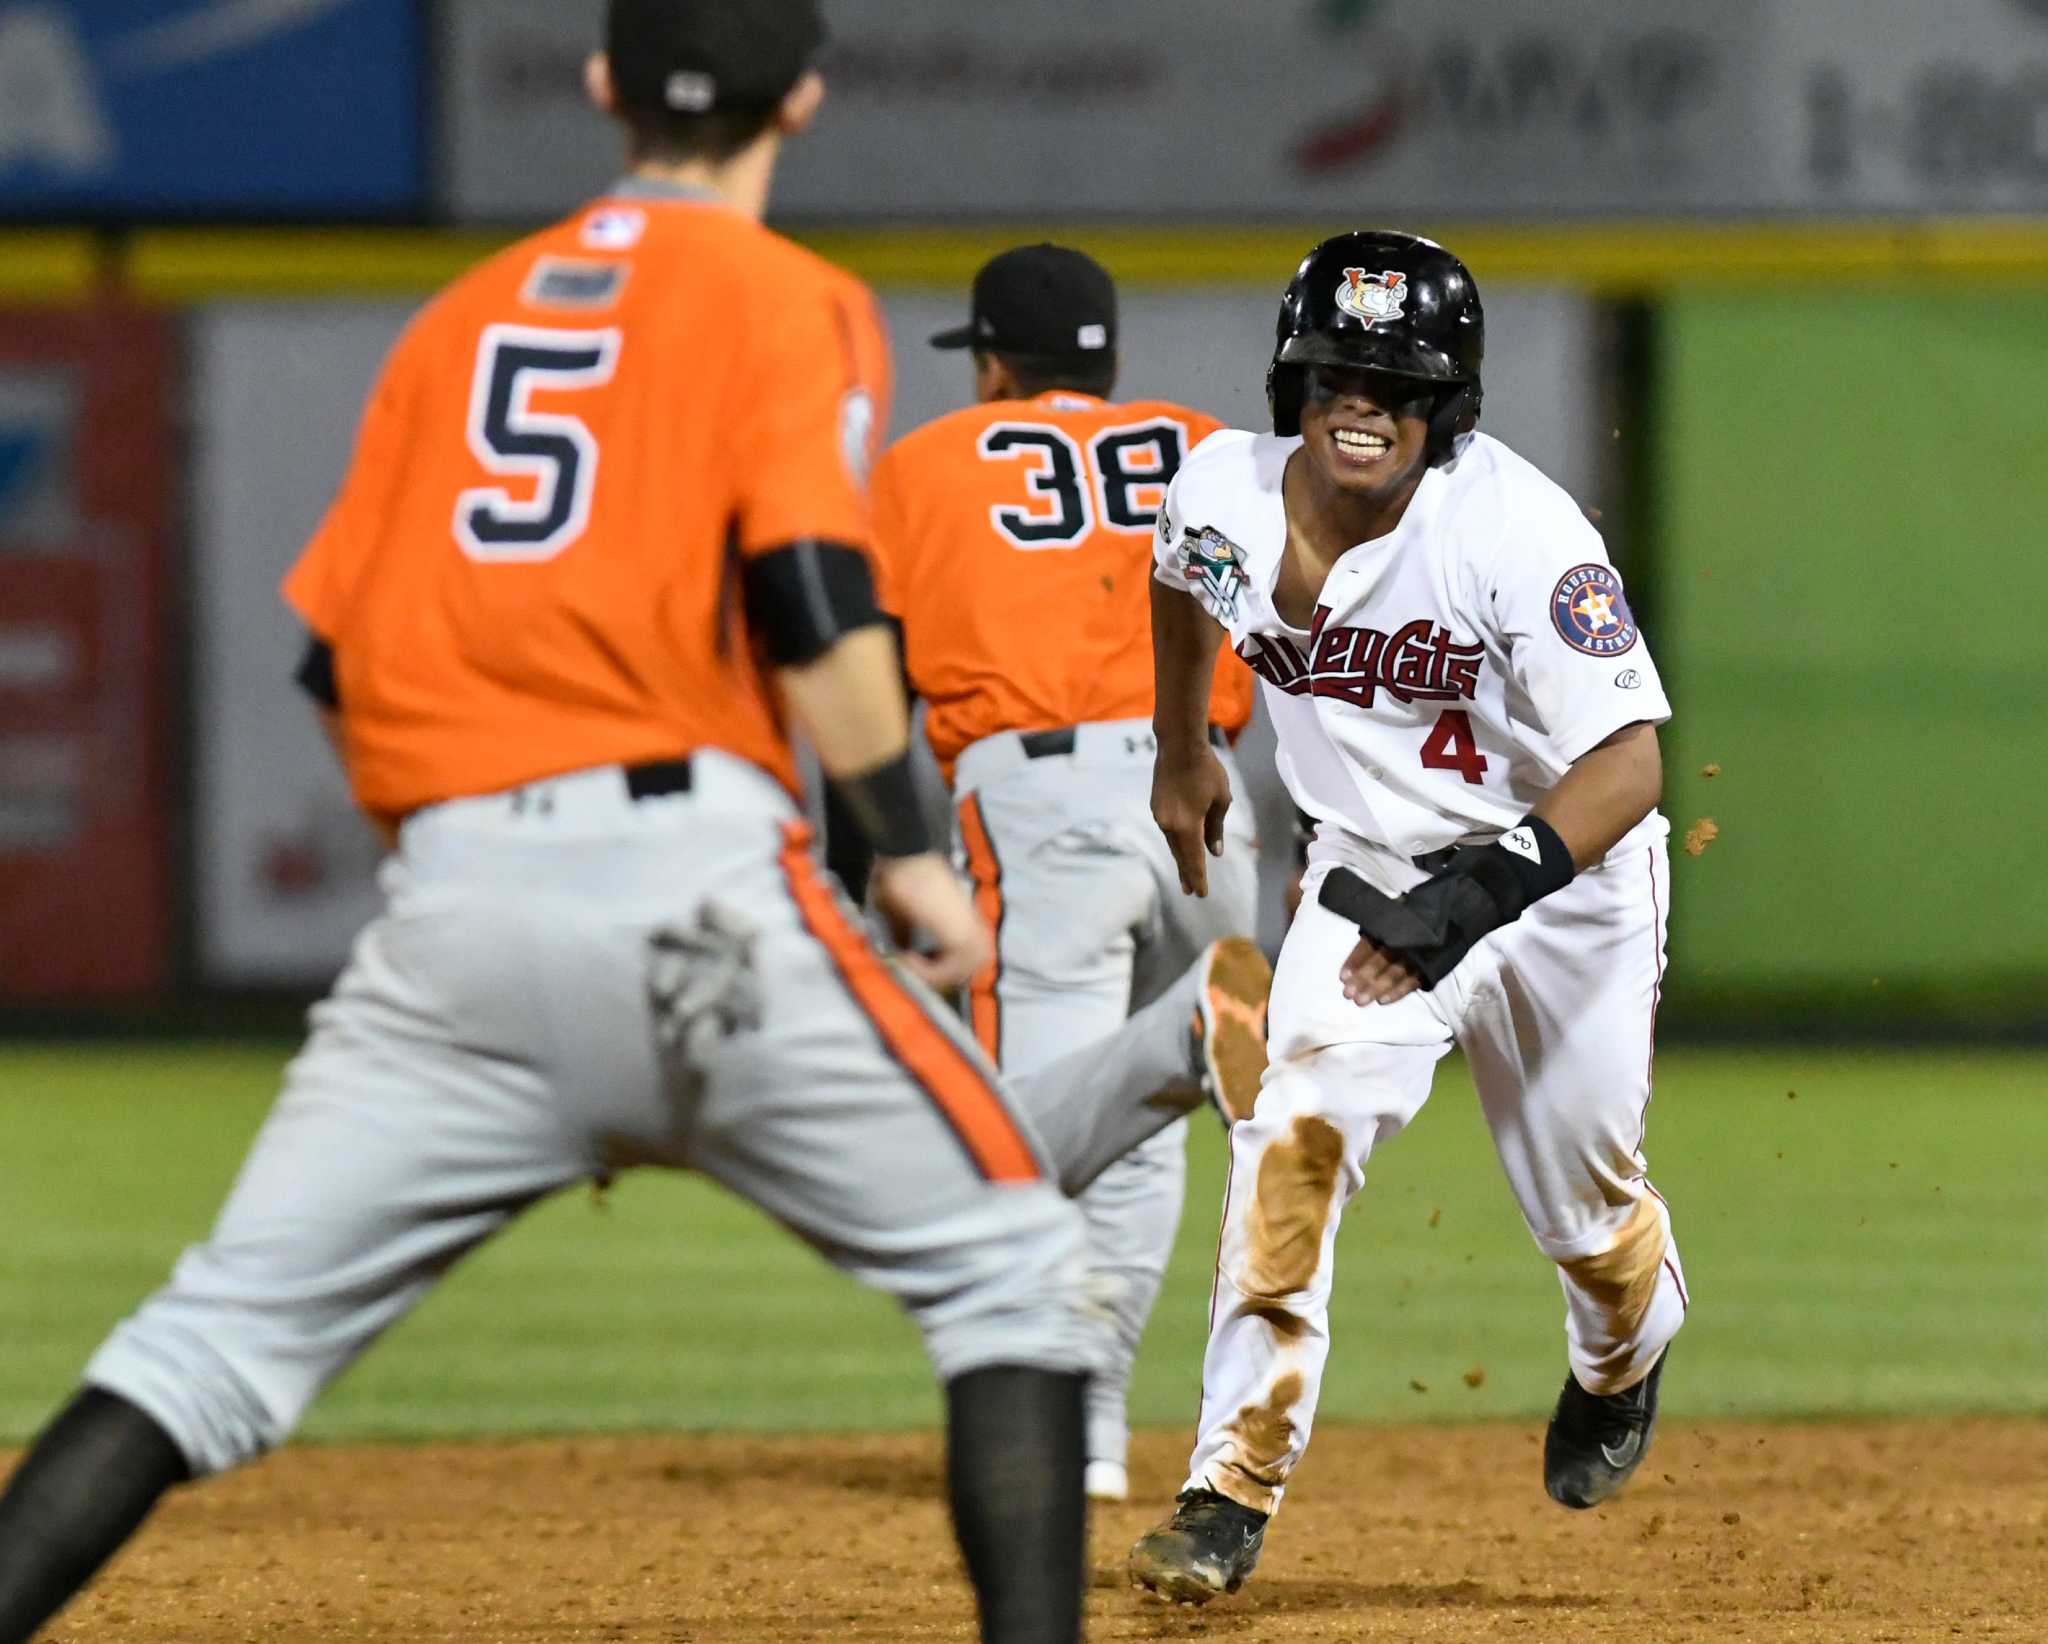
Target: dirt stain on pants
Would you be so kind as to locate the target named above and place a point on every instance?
(1263, 1438)
(1291, 1205)
(1621, 1280)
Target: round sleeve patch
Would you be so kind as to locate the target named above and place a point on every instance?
(857, 433)
(1591, 613)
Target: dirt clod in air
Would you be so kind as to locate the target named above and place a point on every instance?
(1700, 835)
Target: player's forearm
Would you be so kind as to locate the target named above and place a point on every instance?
(1608, 791)
(848, 701)
(1185, 640)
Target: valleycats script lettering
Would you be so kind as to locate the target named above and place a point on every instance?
(1419, 662)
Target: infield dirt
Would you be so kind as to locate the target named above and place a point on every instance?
(1824, 1534)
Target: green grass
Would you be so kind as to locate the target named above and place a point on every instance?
(1877, 1245)
(1859, 742)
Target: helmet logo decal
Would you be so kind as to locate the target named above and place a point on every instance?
(1373, 298)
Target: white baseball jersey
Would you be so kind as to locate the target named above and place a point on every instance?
(1453, 669)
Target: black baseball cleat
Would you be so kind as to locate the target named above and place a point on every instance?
(1596, 1441)
(1209, 1546)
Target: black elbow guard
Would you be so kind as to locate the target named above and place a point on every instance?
(804, 597)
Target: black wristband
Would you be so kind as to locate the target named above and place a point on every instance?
(884, 804)
(1535, 859)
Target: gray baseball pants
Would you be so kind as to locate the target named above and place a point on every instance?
(1091, 925)
(567, 982)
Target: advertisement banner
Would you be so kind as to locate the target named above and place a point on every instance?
(173, 107)
(1348, 109)
(1915, 108)
(84, 449)
(285, 865)
(286, 868)
(1177, 108)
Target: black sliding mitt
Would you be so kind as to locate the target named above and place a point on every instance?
(1437, 923)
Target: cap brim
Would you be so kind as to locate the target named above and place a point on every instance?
(1395, 355)
(961, 336)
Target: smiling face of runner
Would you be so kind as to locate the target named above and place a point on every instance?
(1366, 432)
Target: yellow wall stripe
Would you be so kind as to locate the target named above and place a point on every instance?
(38, 267)
(195, 265)
(1617, 259)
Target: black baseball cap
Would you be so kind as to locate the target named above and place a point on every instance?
(711, 56)
(1041, 299)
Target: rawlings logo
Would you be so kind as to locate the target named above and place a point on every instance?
(1213, 566)
(1416, 663)
(1373, 298)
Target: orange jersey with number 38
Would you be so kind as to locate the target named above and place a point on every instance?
(530, 568)
(1014, 540)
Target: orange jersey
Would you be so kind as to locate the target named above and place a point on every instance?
(1014, 540)
(531, 566)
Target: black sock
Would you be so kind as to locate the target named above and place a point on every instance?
(79, 1494)
(1014, 1460)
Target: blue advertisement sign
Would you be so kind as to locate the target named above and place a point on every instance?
(192, 107)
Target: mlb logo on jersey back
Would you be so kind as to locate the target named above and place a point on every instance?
(1590, 612)
(1373, 297)
(1213, 566)
(614, 228)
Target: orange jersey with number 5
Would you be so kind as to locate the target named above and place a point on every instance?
(1014, 541)
(531, 566)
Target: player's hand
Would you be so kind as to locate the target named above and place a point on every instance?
(1372, 976)
(1189, 799)
(921, 897)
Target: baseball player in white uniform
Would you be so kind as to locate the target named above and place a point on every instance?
(1466, 708)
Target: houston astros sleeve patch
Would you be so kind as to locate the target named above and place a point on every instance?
(1591, 613)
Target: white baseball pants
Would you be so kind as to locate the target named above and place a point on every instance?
(1555, 1014)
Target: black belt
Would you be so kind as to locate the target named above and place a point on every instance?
(658, 778)
(1044, 744)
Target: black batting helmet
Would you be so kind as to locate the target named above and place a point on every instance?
(1389, 302)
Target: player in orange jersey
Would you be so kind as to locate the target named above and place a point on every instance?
(1014, 540)
(605, 533)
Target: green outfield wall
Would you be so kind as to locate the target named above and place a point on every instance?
(1850, 495)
